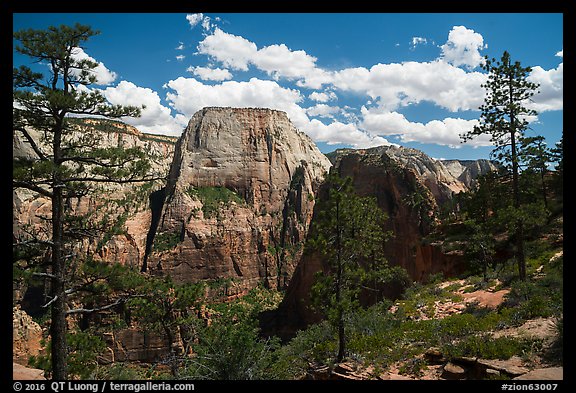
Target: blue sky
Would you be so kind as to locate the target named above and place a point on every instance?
(346, 79)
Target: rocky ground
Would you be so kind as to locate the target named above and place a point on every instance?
(439, 368)
(21, 373)
(27, 335)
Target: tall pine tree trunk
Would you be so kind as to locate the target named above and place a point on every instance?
(58, 326)
(520, 258)
(341, 336)
(544, 191)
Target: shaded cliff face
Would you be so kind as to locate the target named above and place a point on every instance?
(238, 201)
(409, 186)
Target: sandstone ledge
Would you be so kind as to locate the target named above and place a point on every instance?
(22, 373)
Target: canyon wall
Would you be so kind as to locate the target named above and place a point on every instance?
(29, 209)
(237, 205)
(238, 201)
(409, 187)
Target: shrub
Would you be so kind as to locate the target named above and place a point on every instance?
(226, 352)
(126, 371)
(213, 197)
(539, 298)
(166, 241)
(487, 347)
(413, 367)
(316, 344)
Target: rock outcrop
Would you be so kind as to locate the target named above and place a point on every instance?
(238, 201)
(26, 336)
(409, 187)
(467, 171)
(31, 210)
(22, 373)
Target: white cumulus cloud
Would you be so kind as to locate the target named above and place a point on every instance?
(200, 19)
(278, 61)
(322, 97)
(463, 47)
(155, 118)
(210, 74)
(417, 41)
(396, 85)
(194, 19)
(232, 51)
(551, 90)
(322, 110)
(342, 133)
(444, 132)
(103, 75)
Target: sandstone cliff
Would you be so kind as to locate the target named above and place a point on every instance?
(409, 186)
(30, 209)
(127, 246)
(467, 171)
(238, 201)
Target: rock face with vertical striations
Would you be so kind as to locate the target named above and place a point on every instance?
(467, 171)
(409, 187)
(238, 201)
(127, 247)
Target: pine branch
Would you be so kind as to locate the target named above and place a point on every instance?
(97, 309)
(50, 302)
(94, 161)
(44, 275)
(32, 241)
(112, 180)
(31, 187)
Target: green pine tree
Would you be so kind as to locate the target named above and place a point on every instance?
(67, 165)
(536, 157)
(504, 117)
(349, 235)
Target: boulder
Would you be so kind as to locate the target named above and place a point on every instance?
(434, 356)
(513, 367)
(453, 371)
(22, 373)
